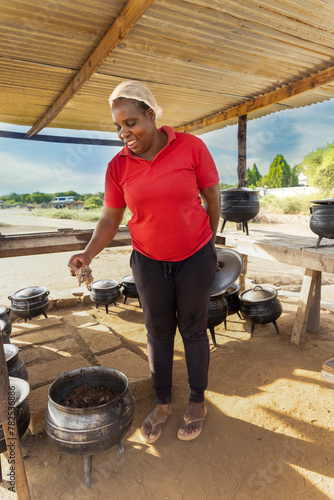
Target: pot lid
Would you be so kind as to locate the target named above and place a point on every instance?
(128, 279)
(29, 292)
(11, 351)
(231, 265)
(258, 294)
(3, 310)
(325, 201)
(22, 389)
(104, 284)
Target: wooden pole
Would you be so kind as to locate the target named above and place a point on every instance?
(8, 421)
(242, 135)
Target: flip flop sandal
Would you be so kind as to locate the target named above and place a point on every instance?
(162, 421)
(192, 435)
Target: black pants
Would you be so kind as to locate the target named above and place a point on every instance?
(176, 294)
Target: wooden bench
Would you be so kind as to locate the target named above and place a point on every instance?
(295, 251)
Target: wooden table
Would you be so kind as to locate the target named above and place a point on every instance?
(295, 251)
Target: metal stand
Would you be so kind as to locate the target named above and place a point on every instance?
(274, 323)
(213, 336)
(88, 469)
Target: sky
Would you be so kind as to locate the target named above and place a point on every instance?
(27, 167)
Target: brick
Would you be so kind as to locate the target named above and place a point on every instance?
(63, 298)
(99, 338)
(45, 373)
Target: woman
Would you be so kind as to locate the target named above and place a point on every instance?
(159, 175)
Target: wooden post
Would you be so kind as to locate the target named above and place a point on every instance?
(10, 431)
(313, 322)
(242, 277)
(304, 305)
(242, 144)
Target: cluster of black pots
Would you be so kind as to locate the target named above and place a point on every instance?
(322, 219)
(239, 205)
(260, 306)
(30, 302)
(86, 431)
(104, 292)
(6, 327)
(22, 409)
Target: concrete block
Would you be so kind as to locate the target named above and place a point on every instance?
(99, 338)
(45, 373)
(79, 319)
(63, 298)
(38, 400)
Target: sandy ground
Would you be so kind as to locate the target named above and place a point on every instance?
(269, 429)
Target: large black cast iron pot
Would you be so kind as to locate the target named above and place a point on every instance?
(22, 408)
(86, 431)
(259, 306)
(104, 292)
(239, 205)
(7, 329)
(322, 219)
(30, 302)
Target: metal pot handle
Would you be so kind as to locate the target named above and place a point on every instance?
(258, 287)
(89, 288)
(9, 298)
(25, 356)
(311, 210)
(120, 402)
(47, 293)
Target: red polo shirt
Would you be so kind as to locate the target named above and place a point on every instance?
(168, 220)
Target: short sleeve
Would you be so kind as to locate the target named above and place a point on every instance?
(207, 174)
(113, 193)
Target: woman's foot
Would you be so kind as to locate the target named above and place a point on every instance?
(153, 424)
(192, 421)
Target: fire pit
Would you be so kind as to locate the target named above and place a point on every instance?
(322, 219)
(86, 431)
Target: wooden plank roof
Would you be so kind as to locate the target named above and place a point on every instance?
(206, 61)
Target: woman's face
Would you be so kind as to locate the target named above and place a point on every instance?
(135, 127)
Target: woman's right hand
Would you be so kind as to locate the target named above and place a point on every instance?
(78, 260)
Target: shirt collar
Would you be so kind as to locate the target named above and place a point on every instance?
(126, 151)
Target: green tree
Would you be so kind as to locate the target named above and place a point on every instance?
(94, 202)
(280, 174)
(319, 168)
(253, 176)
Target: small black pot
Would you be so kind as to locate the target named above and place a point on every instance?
(232, 299)
(260, 306)
(16, 364)
(30, 302)
(104, 292)
(22, 409)
(322, 220)
(129, 289)
(217, 313)
(4, 316)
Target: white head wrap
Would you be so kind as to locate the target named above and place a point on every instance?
(138, 91)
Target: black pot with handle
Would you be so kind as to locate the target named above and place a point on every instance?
(260, 306)
(239, 205)
(104, 292)
(30, 302)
